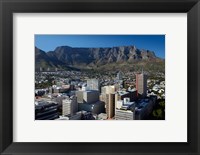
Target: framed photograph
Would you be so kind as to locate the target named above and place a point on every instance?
(101, 77)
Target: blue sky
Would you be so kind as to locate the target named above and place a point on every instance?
(154, 43)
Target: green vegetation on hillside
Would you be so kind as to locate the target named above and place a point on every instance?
(158, 112)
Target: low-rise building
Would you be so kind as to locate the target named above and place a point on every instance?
(124, 114)
(143, 108)
(46, 110)
(125, 110)
(120, 95)
(102, 116)
(95, 108)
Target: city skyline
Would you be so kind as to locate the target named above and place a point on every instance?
(113, 102)
(99, 77)
(155, 43)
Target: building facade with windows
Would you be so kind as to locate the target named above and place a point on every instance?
(141, 84)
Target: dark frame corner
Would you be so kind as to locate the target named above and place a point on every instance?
(8, 7)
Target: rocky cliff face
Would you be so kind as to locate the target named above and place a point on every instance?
(84, 57)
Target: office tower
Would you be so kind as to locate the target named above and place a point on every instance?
(89, 101)
(110, 106)
(141, 84)
(79, 95)
(93, 84)
(108, 96)
(69, 106)
(91, 96)
(108, 89)
(88, 96)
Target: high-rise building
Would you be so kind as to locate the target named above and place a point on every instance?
(69, 106)
(108, 89)
(108, 96)
(110, 106)
(79, 95)
(93, 84)
(89, 101)
(88, 96)
(141, 84)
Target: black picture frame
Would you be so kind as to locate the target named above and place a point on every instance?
(8, 7)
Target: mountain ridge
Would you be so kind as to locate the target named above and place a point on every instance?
(78, 57)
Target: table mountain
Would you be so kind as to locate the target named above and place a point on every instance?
(87, 58)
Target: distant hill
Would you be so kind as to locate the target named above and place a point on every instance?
(122, 57)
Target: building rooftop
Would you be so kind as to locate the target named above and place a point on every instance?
(44, 103)
(62, 118)
(142, 103)
(130, 106)
(122, 92)
(89, 90)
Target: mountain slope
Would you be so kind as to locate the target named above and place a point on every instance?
(42, 59)
(93, 58)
